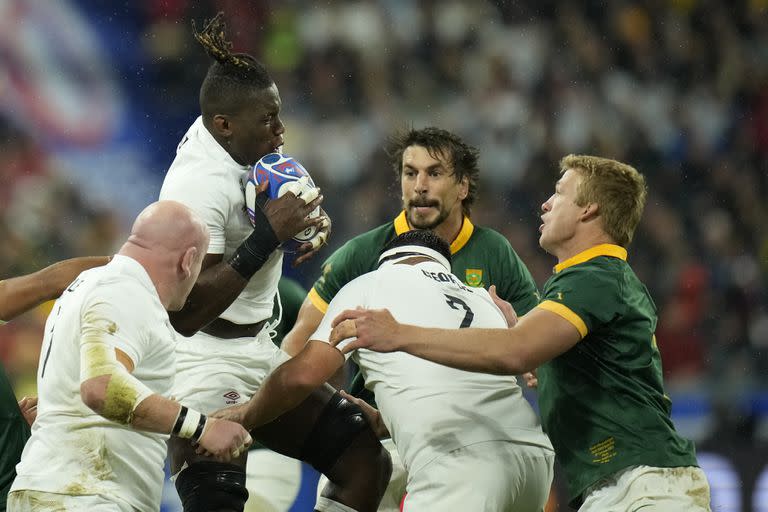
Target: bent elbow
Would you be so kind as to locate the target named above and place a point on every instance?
(516, 364)
(93, 392)
(306, 380)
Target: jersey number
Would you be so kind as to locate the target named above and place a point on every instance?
(72, 287)
(457, 303)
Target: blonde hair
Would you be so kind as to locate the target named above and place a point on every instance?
(618, 189)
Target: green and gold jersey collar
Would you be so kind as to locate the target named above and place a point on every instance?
(401, 226)
(615, 251)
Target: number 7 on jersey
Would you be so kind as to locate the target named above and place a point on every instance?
(455, 303)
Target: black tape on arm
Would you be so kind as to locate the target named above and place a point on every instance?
(255, 250)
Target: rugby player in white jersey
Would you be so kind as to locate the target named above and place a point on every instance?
(229, 351)
(469, 441)
(106, 368)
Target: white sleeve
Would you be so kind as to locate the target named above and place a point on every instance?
(351, 295)
(116, 314)
(196, 186)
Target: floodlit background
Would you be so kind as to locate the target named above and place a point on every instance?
(95, 95)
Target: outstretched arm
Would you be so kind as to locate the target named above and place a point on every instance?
(289, 385)
(20, 294)
(538, 337)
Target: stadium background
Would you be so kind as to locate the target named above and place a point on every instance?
(95, 95)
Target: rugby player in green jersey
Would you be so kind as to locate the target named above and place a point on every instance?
(592, 339)
(438, 175)
(18, 295)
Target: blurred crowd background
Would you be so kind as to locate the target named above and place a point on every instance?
(95, 95)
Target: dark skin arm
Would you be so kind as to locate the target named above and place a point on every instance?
(20, 294)
(219, 284)
(287, 386)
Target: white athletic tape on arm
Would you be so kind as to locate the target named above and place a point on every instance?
(190, 424)
(97, 358)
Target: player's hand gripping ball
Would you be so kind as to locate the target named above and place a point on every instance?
(285, 174)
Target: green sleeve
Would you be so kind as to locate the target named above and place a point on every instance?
(586, 298)
(341, 267)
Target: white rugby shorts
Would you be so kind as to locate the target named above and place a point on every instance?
(213, 373)
(491, 475)
(650, 489)
(25, 500)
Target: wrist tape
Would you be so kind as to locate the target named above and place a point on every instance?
(255, 250)
(189, 424)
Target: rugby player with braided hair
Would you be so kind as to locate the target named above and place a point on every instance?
(229, 352)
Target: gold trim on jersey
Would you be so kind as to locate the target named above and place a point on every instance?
(564, 311)
(317, 300)
(593, 252)
(401, 224)
(467, 228)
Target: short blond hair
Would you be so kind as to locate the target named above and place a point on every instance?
(618, 189)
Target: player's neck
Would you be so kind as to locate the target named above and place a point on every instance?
(451, 227)
(577, 245)
(155, 269)
(220, 139)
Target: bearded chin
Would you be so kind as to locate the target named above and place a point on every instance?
(425, 223)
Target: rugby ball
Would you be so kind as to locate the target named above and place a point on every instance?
(284, 174)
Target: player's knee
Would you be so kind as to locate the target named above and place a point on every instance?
(212, 486)
(362, 460)
(339, 423)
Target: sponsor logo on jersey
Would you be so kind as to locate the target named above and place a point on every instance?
(231, 397)
(474, 277)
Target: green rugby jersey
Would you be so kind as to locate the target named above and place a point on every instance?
(479, 256)
(14, 433)
(602, 402)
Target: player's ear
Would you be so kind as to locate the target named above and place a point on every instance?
(463, 188)
(222, 124)
(590, 211)
(187, 262)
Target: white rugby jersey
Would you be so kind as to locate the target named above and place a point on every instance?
(431, 409)
(73, 450)
(204, 177)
